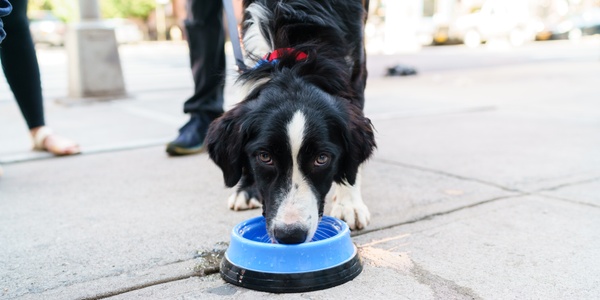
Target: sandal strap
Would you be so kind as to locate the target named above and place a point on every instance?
(40, 137)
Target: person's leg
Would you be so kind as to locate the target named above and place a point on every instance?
(5, 9)
(20, 66)
(205, 35)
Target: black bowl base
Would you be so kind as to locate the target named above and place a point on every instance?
(292, 282)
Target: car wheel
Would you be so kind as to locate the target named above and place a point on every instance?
(472, 39)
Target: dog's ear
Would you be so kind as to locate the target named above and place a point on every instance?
(359, 143)
(225, 143)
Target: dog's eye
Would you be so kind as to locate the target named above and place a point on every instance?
(321, 160)
(265, 158)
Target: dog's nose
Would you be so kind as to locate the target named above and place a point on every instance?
(290, 233)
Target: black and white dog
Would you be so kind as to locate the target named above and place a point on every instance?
(301, 127)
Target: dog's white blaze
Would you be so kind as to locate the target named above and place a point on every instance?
(254, 40)
(299, 205)
(295, 131)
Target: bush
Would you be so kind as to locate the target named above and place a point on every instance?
(67, 10)
(127, 8)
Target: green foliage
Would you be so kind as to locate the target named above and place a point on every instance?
(67, 10)
(127, 8)
(40, 4)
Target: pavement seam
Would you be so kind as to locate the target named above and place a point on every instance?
(540, 192)
(438, 172)
(568, 200)
(204, 272)
(438, 214)
(564, 185)
(141, 144)
(519, 192)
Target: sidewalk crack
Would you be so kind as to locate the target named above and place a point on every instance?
(195, 273)
(569, 200)
(148, 284)
(560, 186)
(442, 213)
(206, 263)
(438, 172)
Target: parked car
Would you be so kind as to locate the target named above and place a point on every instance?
(46, 28)
(496, 19)
(578, 25)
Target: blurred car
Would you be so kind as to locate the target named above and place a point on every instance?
(496, 19)
(543, 29)
(46, 28)
(126, 31)
(578, 25)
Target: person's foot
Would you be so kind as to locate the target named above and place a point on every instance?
(45, 140)
(190, 139)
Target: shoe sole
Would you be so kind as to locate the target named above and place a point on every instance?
(179, 151)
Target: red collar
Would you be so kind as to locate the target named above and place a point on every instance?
(277, 53)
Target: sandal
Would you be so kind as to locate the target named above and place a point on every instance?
(45, 140)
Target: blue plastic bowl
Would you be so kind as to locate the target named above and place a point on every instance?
(253, 261)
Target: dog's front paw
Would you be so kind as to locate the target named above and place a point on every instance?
(240, 200)
(355, 213)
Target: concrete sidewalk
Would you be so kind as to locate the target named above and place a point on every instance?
(485, 185)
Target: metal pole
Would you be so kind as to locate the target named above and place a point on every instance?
(94, 63)
(161, 27)
(89, 10)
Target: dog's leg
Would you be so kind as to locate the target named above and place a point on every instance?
(241, 200)
(246, 196)
(349, 206)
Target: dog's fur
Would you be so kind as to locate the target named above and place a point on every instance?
(301, 126)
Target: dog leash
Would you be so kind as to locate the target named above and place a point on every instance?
(234, 35)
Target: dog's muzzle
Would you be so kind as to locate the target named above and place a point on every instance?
(294, 233)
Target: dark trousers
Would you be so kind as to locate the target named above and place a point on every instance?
(205, 34)
(20, 65)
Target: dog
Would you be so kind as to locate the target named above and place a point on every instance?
(300, 127)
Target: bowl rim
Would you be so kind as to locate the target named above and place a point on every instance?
(274, 258)
(339, 235)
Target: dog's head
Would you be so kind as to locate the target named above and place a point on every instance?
(292, 141)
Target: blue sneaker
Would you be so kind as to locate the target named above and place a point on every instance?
(190, 139)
